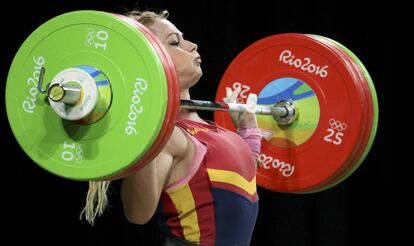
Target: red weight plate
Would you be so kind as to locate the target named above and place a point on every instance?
(318, 145)
(370, 92)
(173, 99)
(365, 122)
(366, 127)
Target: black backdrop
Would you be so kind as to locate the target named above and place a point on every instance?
(43, 209)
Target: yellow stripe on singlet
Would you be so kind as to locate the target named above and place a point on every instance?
(233, 178)
(184, 203)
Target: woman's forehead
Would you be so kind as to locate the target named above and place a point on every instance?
(164, 27)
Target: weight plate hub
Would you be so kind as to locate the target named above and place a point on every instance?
(137, 111)
(94, 99)
(321, 142)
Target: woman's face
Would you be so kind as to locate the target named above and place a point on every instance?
(182, 52)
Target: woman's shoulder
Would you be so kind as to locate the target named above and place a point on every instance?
(178, 143)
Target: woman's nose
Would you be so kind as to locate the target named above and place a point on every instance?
(192, 46)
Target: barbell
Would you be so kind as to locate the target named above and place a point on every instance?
(92, 95)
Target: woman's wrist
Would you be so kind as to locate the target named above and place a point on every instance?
(252, 136)
(246, 132)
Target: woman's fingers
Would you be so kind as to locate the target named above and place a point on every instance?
(251, 103)
(231, 96)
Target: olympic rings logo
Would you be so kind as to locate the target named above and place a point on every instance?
(79, 153)
(337, 125)
(73, 152)
(97, 39)
(90, 37)
(335, 133)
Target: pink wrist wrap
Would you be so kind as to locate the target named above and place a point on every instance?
(253, 137)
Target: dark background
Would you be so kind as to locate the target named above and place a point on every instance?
(42, 209)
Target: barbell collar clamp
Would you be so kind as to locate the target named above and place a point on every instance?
(68, 94)
(40, 82)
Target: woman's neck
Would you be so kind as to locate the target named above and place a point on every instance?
(185, 94)
(189, 114)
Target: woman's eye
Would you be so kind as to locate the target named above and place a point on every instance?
(175, 43)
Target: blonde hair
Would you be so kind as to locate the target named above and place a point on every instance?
(97, 196)
(96, 200)
(147, 18)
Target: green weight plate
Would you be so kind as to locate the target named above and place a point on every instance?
(173, 104)
(134, 119)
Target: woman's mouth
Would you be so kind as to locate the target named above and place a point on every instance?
(198, 60)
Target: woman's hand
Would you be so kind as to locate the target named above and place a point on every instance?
(247, 118)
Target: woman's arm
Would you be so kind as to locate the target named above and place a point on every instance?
(141, 191)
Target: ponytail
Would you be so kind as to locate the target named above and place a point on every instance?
(96, 200)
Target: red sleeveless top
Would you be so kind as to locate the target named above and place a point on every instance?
(217, 202)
